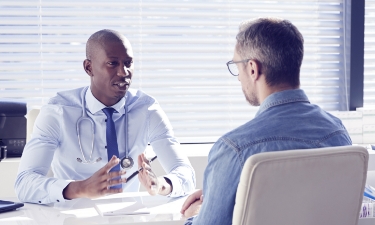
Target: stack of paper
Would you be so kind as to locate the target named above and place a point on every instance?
(121, 208)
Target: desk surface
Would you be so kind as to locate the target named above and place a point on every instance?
(163, 210)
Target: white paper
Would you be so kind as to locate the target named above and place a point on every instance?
(121, 208)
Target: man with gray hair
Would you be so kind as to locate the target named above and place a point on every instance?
(267, 60)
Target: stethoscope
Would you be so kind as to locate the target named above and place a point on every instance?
(126, 162)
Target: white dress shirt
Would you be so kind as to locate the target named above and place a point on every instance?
(139, 121)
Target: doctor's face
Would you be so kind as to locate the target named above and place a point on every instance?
(111, 70)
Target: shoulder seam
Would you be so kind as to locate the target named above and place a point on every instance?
(235, 149)
(333, 134)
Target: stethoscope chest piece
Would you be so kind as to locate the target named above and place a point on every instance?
(127, 163)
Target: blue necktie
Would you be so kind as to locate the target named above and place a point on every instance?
(112, 148)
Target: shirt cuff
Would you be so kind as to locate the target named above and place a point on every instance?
(176, 186)
(189, 221)
(57, 188)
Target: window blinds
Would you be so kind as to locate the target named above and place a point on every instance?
(180, 47)
(369, 67)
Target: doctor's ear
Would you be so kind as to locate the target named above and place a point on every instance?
(87, 67)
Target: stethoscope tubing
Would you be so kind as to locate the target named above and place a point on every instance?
(92, 125)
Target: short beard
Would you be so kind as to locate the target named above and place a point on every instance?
(251, 98)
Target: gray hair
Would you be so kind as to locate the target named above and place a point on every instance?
(274, 43)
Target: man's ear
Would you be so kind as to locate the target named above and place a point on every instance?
(87, 67)
(253, 69)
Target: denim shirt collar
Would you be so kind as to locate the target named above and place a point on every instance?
(282, 97)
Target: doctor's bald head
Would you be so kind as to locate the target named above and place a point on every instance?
(101, 38)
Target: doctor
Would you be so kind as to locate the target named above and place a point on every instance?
(83, 134)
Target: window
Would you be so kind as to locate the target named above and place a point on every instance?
(180, 47)
(369, 67)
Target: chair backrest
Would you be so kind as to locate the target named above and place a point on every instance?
(304, 187)
(31, 116)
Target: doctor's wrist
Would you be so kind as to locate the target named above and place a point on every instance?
(164, 185)
(71, 191)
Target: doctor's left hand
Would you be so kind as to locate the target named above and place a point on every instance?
(98, 184)
(153, 184)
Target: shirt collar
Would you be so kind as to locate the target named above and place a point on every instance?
(94, 105)
(283, 97)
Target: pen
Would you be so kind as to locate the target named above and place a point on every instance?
(140, 169)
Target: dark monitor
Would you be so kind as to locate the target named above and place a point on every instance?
(13, 127)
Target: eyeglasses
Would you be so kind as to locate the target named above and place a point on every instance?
(233, 68)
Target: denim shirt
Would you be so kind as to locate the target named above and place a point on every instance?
(139, 121)
(286, 120)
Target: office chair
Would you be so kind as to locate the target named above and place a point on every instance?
(31, 117)
(322, 186)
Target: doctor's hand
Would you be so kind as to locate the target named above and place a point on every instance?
(192, 204)
(153, 184)
(98, 184)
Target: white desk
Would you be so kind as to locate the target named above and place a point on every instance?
(83, 211)
(163, 210)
